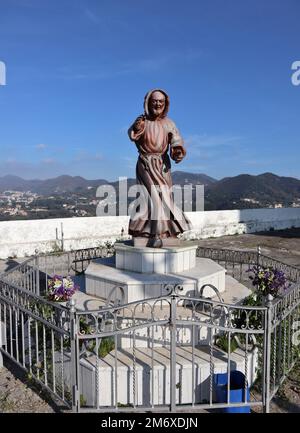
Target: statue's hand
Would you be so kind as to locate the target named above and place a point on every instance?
(139, 123)
(177, 154)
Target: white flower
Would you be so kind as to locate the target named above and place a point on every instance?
(68, 283)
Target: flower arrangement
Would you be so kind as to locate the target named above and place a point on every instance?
(268, 280)
(61, 288)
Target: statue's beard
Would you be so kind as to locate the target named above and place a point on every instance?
(156, 112)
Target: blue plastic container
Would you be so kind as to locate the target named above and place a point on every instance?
(236, 391)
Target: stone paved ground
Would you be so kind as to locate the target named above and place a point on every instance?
(17, 394)
(282, 245)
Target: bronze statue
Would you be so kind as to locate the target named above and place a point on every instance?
(154, 135)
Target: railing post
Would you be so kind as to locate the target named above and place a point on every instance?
(173, 353)
(74, 353)
(69, 265)
(62, 236)
(267, 358)
(258, 251)
(37, 276)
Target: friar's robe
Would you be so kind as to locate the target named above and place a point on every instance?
(161, 218)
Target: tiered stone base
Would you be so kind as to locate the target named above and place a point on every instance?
(137, 273)
(159, 393)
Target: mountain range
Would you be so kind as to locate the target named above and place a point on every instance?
(66, 183)
(242, 191)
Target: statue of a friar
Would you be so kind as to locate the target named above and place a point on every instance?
(155, 135)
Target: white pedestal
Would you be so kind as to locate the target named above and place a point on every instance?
(155, 260)
(106, 281)
(138, 273)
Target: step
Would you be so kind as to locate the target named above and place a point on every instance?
(102, 279)
(98, 375)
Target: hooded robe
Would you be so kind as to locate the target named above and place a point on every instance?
(161, 218)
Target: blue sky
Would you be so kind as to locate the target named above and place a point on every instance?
(77, 72)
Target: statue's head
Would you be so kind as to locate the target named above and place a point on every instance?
(156, 104)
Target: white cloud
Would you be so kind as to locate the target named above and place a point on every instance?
(41, 146)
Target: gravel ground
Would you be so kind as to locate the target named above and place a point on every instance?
(18, 394)
(287, 399)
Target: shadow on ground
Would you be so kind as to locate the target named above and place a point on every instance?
(9, 264)
(287, 233)
(43, 394)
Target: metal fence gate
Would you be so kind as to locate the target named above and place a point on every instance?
(159, 354)
(35, 334)
(155, 360)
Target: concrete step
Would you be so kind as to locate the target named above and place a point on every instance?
(155, 365)
(102, 278)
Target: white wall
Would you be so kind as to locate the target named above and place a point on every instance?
(230, 222)
(20, 238)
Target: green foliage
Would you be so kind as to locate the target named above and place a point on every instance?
(252, 300)
(82, 400)
(254, 319)
(107, 345)
(84, 327)
(222, 343)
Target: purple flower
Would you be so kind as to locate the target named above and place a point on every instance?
(268, 280)
(61, 288)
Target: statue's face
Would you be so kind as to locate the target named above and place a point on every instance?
(157, 104)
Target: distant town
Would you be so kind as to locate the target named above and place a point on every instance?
(67, 196)
(28, 205)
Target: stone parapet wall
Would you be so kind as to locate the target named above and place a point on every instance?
(27, 237)
(229, 222)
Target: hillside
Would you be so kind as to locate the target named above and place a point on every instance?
(237, 192)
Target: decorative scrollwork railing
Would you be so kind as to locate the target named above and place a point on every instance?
(43, 337)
